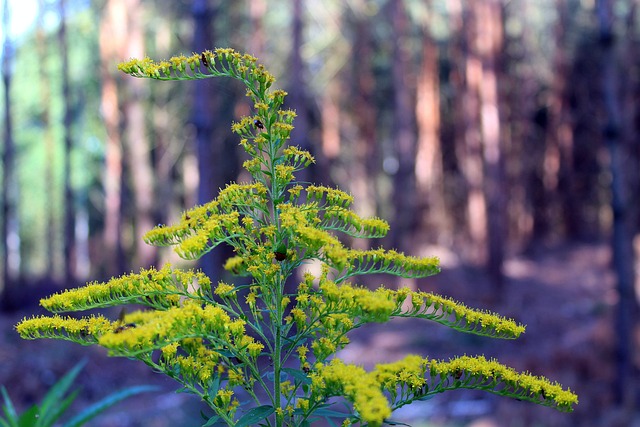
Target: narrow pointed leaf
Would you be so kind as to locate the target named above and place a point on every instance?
(255, 415)
(100, 406)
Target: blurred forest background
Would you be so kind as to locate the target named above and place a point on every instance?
(500, 135)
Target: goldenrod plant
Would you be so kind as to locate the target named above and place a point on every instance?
(256, 354)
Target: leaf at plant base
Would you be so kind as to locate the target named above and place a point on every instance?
(100, 406)
(56, 412)
(8, 409)
(50, 408)
(255, 415)
(29, 418)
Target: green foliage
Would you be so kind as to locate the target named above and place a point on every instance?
(56, 403)
(254, 341)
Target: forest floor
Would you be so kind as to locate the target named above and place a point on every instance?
(564, 294)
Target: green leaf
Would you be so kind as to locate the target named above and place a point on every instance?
(100, 406)
(329, 413)
(395, 423)
(60, 409)
(30, 418)
(50, 406)
(211, 421)
(299, 376)
(255, 415)
(8, 409)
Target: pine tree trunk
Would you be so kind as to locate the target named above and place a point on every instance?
(10, 247)
(297, 87)
(257, 11)
(203, 113)
(45, 95)
(429, 170)
(69, 206)
(112, 39)
(469, 151)
(489, 45)
(137, 143)
(403, 131)
(622, 246)
(365, 163)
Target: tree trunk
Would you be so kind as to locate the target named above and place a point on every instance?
(457, 126)
(204, 110)
(622, 244)
(297, 87)
(51, 255)
(403, 131)
(489, 45)
(428, 169)
(365, 160)
(257, 11)
(112, 39)
(10, 226)
(137, 143)
(69, 205)
(524, 126)
(470, 149)
(549, 208)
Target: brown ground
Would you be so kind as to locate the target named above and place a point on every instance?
(565, 295)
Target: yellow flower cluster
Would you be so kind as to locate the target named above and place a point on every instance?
(334, 309)
(415, 377)
(408, 372)
(195, 363)
(348, 222)
(389, 262)
(500, 379)
(85, 331)
(156, 288)
(458, 316)
(352, 382)
(300, 158)
(234, 195)
(156, 329)
(221, 62)
(225, 290)
(333, 196)
(223, 400)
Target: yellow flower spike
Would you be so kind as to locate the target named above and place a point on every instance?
(255, 349)
(303, 404)
(521, 386)
(235, 377)
(225, 290)
(302, 351)
(170, 350)
(285, 302)
(160, 289)
(85, 331)
(338, 379)
(223, 398)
